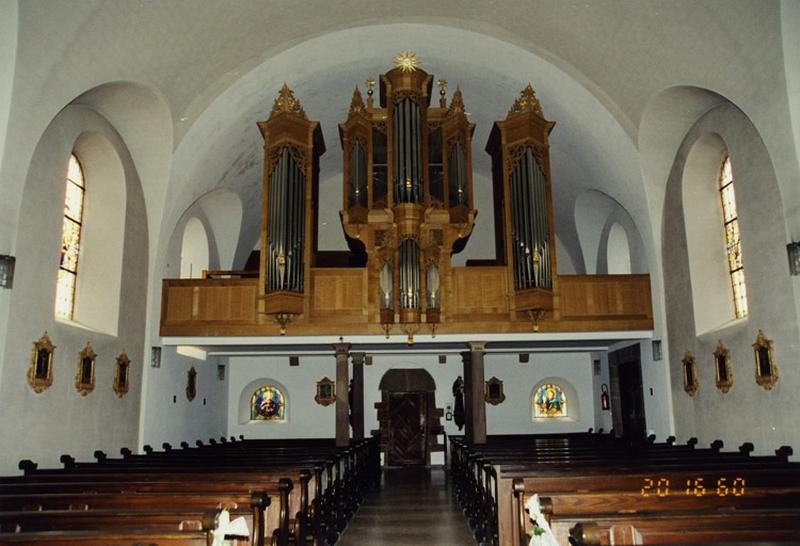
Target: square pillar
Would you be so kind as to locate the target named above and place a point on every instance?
(342, 401)
(357, 411)
(474, 395)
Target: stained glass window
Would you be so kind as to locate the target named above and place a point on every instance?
(549, 401)
(267, 404)
(70, 239)
(733, 243)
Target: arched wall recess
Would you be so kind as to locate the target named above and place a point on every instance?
(573, 403)
(618, 251)
(246, 397)
(194, 249)
(704, 233)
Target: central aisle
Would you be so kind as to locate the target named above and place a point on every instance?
(413, 507)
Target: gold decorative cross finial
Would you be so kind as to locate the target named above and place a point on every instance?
(357, 104)
(527, 102)
(286, 102)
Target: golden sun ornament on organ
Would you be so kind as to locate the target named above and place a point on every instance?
(407, 61)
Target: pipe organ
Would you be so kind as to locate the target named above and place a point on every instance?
(410, 164)
(407, 207)
(292, 146)
(520, 152)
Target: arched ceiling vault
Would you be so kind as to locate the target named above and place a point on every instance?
(224, 148)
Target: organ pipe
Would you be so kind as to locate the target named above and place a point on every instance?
(358, 176)
(409, 274)
(529, 227)
(457, 175)
(407, 146)
(286, 226)
(432, 286)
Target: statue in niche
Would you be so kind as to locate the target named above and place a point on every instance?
(191, 384)
(458, 406)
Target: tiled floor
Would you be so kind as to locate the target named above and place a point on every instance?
(413, 507)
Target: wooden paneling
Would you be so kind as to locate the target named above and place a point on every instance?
(339, 291)
(480, 290)
(208, 300)
(339, 305)
(604, 297)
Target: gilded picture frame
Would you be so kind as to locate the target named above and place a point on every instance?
(722, 367)
(84, 375)
(689, 364)
(122, 375)
(494, 394)
(40, 373)
(326, 392)
(766, 367)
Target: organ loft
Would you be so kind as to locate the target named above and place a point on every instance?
(407, 207)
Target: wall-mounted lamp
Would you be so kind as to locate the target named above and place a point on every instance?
(657, 350)
(793, 251)
(7, 271)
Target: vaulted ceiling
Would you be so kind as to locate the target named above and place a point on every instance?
(186, 81)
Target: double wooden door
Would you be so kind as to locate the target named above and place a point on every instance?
(407, 442)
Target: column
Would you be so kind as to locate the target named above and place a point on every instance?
(474, 388)
(342, 402)
(358, 396)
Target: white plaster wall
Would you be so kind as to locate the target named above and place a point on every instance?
(8, 54)
(747, 413)
(304, 417)
(513, 416)
(171, 417)
(60, 420)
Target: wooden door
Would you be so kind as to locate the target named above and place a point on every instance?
(407, 424)
(626, 375)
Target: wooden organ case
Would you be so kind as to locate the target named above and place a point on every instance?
(292, 146)
(523, 195)
(407, 207)
(407, 200)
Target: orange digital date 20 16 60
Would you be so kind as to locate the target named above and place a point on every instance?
(695, 487)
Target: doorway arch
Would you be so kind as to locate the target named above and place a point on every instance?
(408, 417)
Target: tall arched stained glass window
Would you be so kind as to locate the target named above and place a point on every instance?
(70, 239)
(267, 404)
(733, 244)
(549, 401)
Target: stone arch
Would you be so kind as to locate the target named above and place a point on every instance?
(404, 391)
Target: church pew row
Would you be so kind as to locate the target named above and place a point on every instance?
(493, 482)
(755, 526)
(331, 482)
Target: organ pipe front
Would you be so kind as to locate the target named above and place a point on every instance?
(292, 146)
(407, 191)
(520, 150)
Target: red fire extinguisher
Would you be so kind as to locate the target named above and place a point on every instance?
(604, 403)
